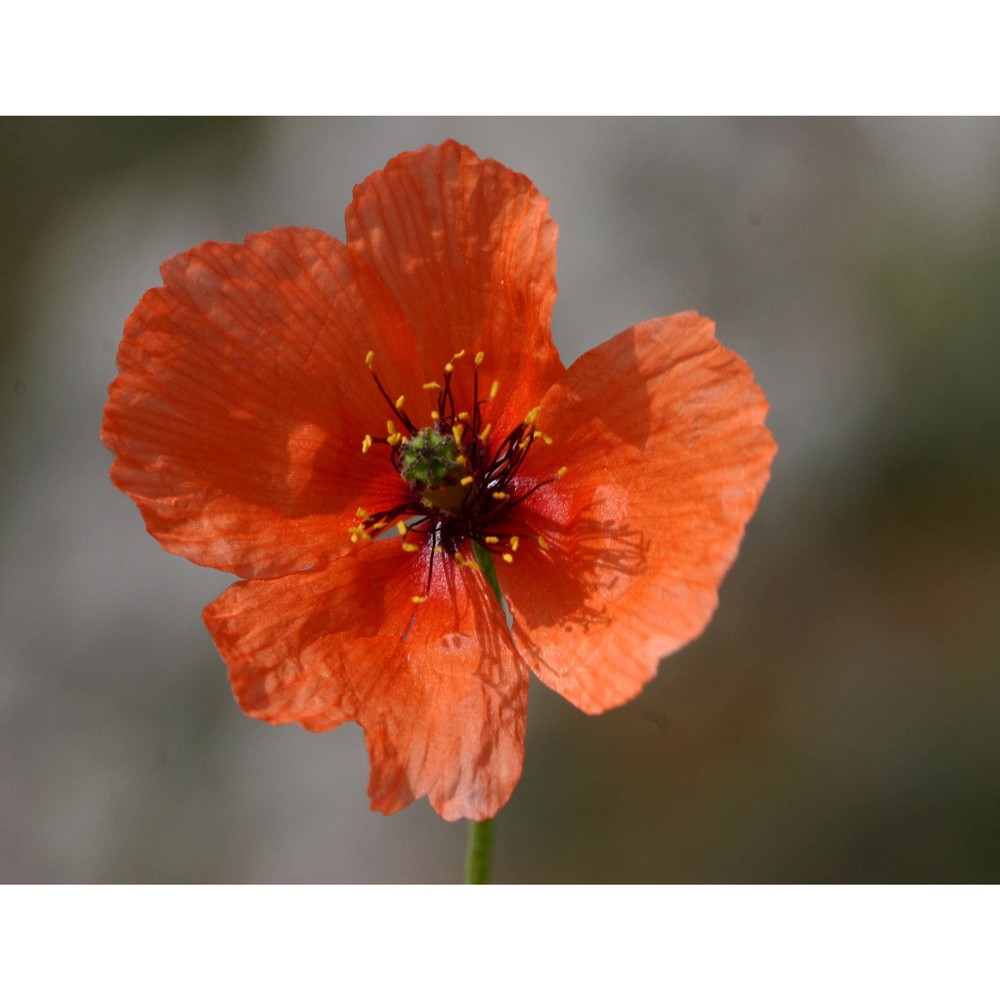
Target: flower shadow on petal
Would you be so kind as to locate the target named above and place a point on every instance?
(588, 565)
(444, 713)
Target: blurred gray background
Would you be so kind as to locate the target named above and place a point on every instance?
(838, 722)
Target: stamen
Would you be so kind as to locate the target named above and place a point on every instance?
(361, 514)
(514, 542)
(467, 480)
(432, 385)
(507, 557)
(369, 358)
(449, 368)
(456, 432)
(461, 354)
(542, 544)
(366, 444)
(479, 358)
(419, 599)
(485, 432)
(491, 539)
(401, 527)
(399, 402)
(562, 472)
(390, 427)
(410, 547)
(532, 415)
(500, 495)
(466, 563)
(435, 415)
(494, 389)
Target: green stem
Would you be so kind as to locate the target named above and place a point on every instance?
(480, 852)
(485, 560)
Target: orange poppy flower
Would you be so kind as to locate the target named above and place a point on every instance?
(338, 423)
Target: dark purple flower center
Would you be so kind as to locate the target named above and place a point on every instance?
(461, 479)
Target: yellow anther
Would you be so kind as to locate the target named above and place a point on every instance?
(399, 402)
(437, 550)
(540, 434)
(449, 368)
(514, 542)
(401, 527)
(461, 354)
(362, 513)
(507, 557)
(491, 539)
(432, 385)
(531, 417)
(393, 439)
(369, 358)
(479, 358)
(464, 415)
(466, 563)
(390, 427)
(467, 480)
(435, 415)
(485, 432)
(562, 472)
(410, 547)
(366, 444)
(456, 432)
(500, 495)
(542, 544)
(418, 599)
(494, 389)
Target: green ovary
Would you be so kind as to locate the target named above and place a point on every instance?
(430, 460)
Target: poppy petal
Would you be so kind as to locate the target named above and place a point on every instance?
(468, 249)
(662, 433)
(242, 398)
(438, 686)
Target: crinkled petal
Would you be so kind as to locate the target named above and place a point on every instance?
(468, 249)
(438, 687)
(242, 399)
(662, 432)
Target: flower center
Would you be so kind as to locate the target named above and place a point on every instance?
(432, 464)
(463, 479)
